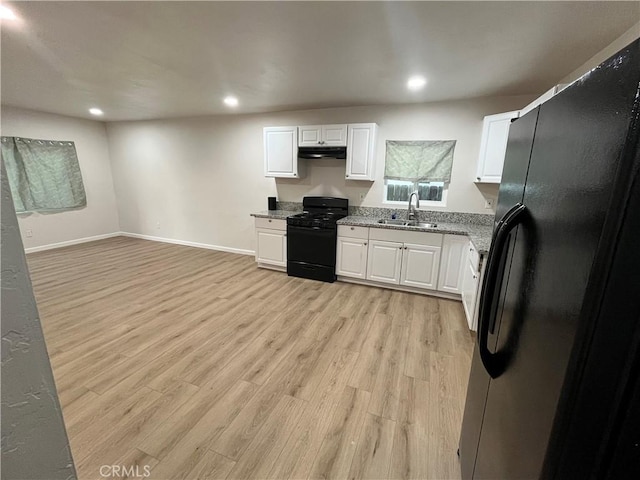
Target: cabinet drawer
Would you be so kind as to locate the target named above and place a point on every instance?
(353, 232)
(272, 223)
(404, 236)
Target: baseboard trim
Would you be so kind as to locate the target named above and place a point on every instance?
(68, 243)
(187, 243)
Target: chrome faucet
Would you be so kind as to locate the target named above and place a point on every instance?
(411, 212)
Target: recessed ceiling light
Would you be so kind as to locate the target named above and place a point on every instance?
(96, 111)
(416, 82)
(6, 13)
(231, 101)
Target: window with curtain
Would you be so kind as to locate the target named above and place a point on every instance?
(419, 165)
(44, 175)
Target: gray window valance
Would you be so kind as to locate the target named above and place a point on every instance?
(44, 175)
(419, 160)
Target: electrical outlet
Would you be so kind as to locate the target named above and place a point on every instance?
(362, 195)
(29, 233)
(489, 203)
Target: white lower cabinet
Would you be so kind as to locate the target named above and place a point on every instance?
(420, 266)
(471, 285)
(351, 258)
(385, 261)
(271, 247)
(452, 265)
(469, 292)
(271, 242)
(413, 262)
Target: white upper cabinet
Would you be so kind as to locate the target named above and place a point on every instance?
(452, 266)
(322, 135)
(495, 133)
(310, 136)
(361, 145)
(334, 135)
(281, 152)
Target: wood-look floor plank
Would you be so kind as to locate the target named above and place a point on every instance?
(199, 365)
(373, 455)
(115, 442)
(339, 444)
(411, 447)
(212, 466)
(265, 448)
(186, 455)
(385, 395)
(366, 370)
(303, 444)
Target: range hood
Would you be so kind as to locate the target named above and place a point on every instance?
(323, 152)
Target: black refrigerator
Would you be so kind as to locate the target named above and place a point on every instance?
(554, 388)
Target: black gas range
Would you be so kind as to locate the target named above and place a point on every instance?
(312, 237)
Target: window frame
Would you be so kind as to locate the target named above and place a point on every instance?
(423, 203)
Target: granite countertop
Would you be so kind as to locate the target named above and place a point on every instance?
(277, 214)
(480, 235)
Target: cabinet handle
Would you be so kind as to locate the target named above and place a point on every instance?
(400, 248)
(478, 178)
(365, 243)
(405, 248)
(347, 175)
(352, 228)
(269, 220)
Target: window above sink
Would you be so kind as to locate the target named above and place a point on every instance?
(432, 194)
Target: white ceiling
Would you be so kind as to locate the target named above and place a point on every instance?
(140, 60)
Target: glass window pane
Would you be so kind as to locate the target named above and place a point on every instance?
(398, 190)
(431, 191)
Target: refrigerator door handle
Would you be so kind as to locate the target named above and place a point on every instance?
(506, 224)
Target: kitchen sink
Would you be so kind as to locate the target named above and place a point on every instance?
(423, 225)
(387, 221)
(405, 223)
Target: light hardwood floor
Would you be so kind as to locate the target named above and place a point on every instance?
(197, 364)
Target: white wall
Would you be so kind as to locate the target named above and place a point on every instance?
(198, 179)
(618, 44)
(100, 216)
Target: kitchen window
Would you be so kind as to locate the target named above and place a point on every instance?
(423, 166)
(430, 193)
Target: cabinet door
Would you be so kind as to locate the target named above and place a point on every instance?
(310, 136)
(420, 266)
(281, 152)
(352, 257)
(384, 261)
(271, 247)
(334, 135)
(469, 292)
(495, 132)
(455, 251)
(361, 151)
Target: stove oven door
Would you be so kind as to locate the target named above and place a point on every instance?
(311, 252)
